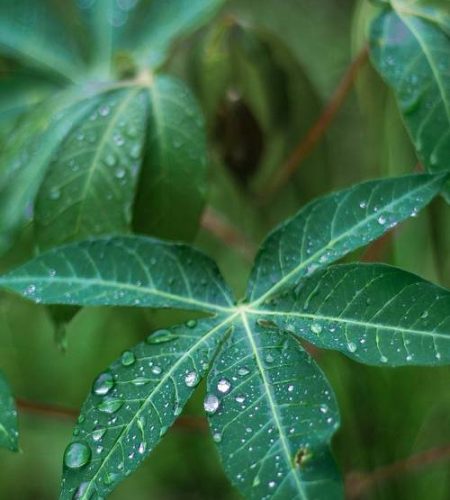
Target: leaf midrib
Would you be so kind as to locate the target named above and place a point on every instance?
(335, 241)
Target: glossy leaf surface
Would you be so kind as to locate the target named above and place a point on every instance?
(89, 188)
(410, 46)
(275, 418)
(133, 404)
(8, 417)
(332, 226)
(128, 271)
(172, 187)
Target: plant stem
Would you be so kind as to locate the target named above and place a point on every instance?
(185, 422)
(316, 132)
(358, 483)
(223, 230)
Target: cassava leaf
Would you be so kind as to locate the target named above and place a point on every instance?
(172, 187)
(154, 25)
(27, 156)
(332, 226)
(272, 415)
(8, 417)
(376, 314)
(89, 188)
(122, 270)
(133, 404)
(31, 32)
(410, 46)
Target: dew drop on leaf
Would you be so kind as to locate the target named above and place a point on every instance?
(77, 455)
(191, 379)
(103, 384)
(161, 336)
(110, 405)
(211, 403)
(316, 328)
(128, 358)
(223, 385)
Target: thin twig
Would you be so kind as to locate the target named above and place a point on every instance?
(358, 483)
(223, 230)
(185, 422)
(315, 133)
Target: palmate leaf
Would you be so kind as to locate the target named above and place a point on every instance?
(133, 404)
(376, 314)
(89, 188)
(171, 192)
(271, 410)
(332, 226)
(27, 155)
(31, 32)
(410, 46)
(8, 417)
(275, 416)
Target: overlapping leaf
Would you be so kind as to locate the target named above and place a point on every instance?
(8, 417)
(172, 187)
(332, 226)
(89, 188)
(133, 404)
(128, 271)
(272, 415)
(374, 313)
(410, 45)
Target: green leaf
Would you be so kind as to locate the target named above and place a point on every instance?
(89, 188)
(410, 46)
(332, 226)
(172, 187)
(27, 156)
(374, 313)
(154, 25)
(133, 403)
(8, 418)
(31, 32)
(275, 416)
(128, 271)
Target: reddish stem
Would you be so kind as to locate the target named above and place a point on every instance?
(316, 132)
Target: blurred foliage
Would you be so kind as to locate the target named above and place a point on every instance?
(387, 414)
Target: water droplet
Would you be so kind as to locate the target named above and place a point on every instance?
(138, 381)
(272, 484)
(191, 379)
(211, 404)
(141, 449)
(156, 370)
(104, 110)
(192, 323)
(240, 399)
(351, 346)
(290, 388)
(316, 328)
(110, 405)
(161, 336)
(120, 173)
(217, 437)
(424, 315)
(323, 408)
(243, 371)
(269, 358)
(223, 386)
(103, 384)
(98, 434)
(55, 194)
(110, 160)
(381, 220)
(77, 455)
(128, 358)
(383, 359)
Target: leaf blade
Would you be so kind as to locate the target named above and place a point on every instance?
(260, 377)
(123, 270)
(166, 371)
(321, 233)
(8, 417)
(373, 313)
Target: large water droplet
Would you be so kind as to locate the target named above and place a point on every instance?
(77, 455)
(316, 328)
(191, 379)
(223, 385)
(128, 358)
(161, 336)
(211, 404)
(110, 405)
(103, 384)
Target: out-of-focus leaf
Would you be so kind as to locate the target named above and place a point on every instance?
(171, 192)
(410, 44)
(31, 32)
(275, 418)
(133, 404)
(8, 417)
(27, 156)
(89, 188)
